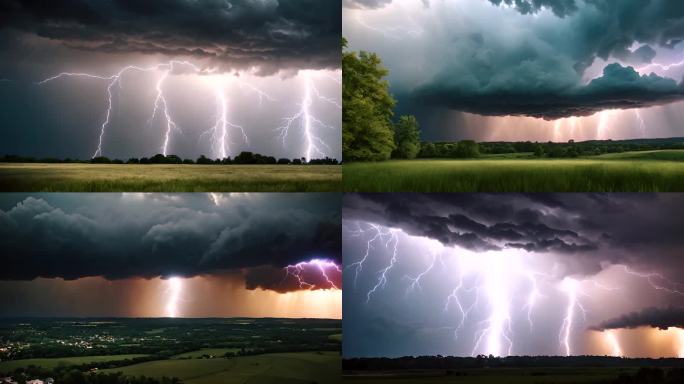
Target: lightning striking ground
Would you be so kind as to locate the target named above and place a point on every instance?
(308, 122)
(220, 130)
(484, 290)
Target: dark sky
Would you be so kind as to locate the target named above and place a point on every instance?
(529, 70)
(462, 274)
(270, 244)
(240, 49)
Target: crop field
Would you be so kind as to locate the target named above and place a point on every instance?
(49, 363)
(649, 171)
(39, 177)
(291, 368)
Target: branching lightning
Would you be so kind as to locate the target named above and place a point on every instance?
(484, 290)
(219, 130)
(323, 267)
(308, 122)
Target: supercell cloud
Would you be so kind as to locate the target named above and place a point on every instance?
(140, 235)
(547, 59)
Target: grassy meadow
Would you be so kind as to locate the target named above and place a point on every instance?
(286, 368)
(647, 171)
(40, 177)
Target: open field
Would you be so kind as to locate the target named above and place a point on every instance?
(650, 171)
(49, 363)
(40, 177)
(288, 368)
(568, 375)
(217, 352)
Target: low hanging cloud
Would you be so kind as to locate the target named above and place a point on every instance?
(123, 236)
(619, 88)
(271, 35)
(661, 318)
(591, 231)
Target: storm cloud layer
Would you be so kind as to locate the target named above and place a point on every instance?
(589, 228)
(149, 235)
(545, 59)
(661, 318)
(236, 34)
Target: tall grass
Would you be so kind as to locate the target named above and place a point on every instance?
(168, 178)
(613, 174)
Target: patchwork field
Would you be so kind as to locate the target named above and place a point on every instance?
(649, 171)
(50, 363)
(300, 367)
(39, 177)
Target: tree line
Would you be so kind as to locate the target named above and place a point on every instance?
(243, 158)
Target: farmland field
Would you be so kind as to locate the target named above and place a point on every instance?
(299, 367)
(39, 177)
(649, 171)
(10, 365)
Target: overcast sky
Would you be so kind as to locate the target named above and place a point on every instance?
(233, 254)
(529, 70)
(252, 62)
(538, 274)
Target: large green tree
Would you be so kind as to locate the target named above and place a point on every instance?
(367, 132)
(406, 138)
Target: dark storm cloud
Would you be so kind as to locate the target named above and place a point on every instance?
(619, 88)
(590, 228)
(559, 8)
(365, 4)
(661, 318)
(538, 65)
(476, 222)
(73, 236)
(269, 34)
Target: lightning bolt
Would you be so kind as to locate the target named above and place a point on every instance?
(161, 108)
(614, 344)
(655, 280)
(307, 121)
(642, 125)
(323, 266)
(174, 288)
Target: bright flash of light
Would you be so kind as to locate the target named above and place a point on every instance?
(307, 121)
(614, 344)
(174, 288)
(220, 129)
(680, 334)
(488, 281)
(569, 286)
(304, 272)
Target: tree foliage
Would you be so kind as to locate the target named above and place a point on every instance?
(406, 138)
(368, 108)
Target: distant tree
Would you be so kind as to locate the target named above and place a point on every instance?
(245, 158)
(468, 149)
(367, 113)
(117, 161)
(406, 138)
(296, 161)
(133, 160)
(538, 150)
(188, 161)
(427, 149)
(173, 159)
(100, 160)
(203, 160)
(283, 161)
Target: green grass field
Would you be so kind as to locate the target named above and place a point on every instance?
(651, 171)
(496, 376)
(217, 352)
(286, 368)
(11, 365)
(37, 177)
